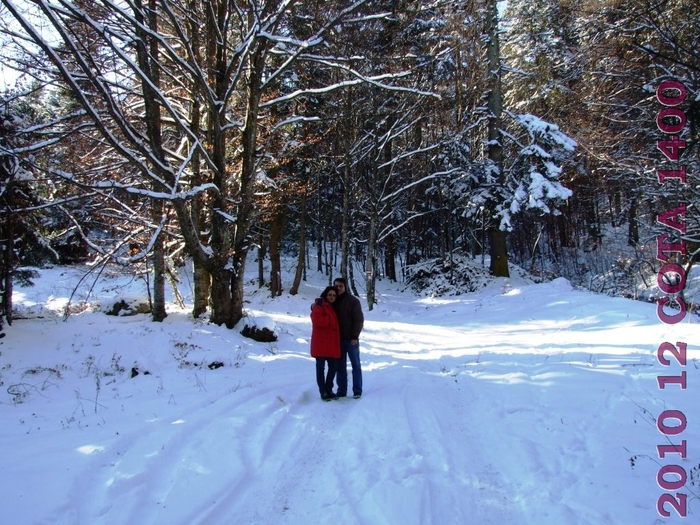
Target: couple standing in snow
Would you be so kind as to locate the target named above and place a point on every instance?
(337, 320)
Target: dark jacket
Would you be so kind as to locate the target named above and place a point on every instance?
(350, 317)
(325, 338)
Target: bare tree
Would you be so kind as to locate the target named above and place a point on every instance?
(180, 90)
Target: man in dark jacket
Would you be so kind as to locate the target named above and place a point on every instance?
(347, 308)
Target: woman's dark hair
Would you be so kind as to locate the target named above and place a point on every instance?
(328, 289)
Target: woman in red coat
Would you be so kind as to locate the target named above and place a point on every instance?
(325, 341)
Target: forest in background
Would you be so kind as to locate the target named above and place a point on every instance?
(377, 136)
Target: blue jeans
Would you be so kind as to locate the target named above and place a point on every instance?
(353, 352)
(323, 379)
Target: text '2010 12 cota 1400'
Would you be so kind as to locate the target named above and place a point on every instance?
(671, 278)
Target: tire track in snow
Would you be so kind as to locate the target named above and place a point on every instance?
(176, 471)
(408, 456)
(539, 443)
(456, 451)
(296, 468)
(270, 449)
(510, 440)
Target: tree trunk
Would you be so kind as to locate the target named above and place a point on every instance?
(147, 51)
(261, 260)
(499, 254)
(222, 305)
(158, 313)
(319, 248)
(7, 246)
(441, 225)
(563, 228)
(276, 231)
(345, 227)
(390, 257)
(329, 245)
(202, 289)
(7, 276)
(236, 291)
(201, 277)
(228, 308)
(302, 247)
(370, 273)
(351, 279)
(633, 232)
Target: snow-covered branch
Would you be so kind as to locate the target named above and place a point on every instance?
(438, 174)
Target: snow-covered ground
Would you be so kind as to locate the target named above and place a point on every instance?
(519, 404)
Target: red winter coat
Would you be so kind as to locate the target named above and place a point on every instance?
(325, 333)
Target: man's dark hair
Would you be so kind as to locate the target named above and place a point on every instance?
(341, 280)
